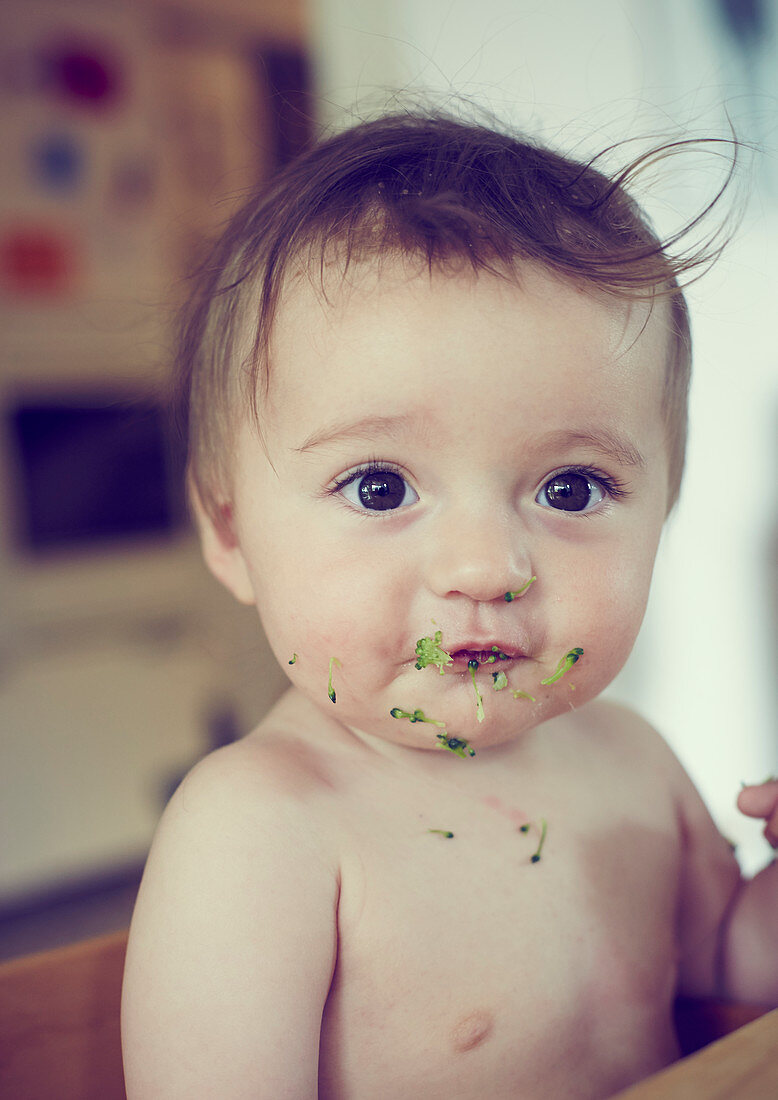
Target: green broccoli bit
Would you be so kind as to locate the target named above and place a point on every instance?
(428, 652)
(415, 716)
(535, 858)
(456, 745)
(294, 659)
(442, 832)
(330, 690)
(519, 694)
(509, 596)
(500, 680)
(566, 663)
(479, 701)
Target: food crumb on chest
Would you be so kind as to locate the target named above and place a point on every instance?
(472, 1030)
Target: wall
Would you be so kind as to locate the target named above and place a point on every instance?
(121, 662)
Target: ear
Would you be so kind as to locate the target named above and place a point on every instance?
(221, 551)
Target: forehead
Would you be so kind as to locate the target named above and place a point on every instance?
(394, 333)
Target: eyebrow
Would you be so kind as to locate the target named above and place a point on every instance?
(604, 441)
(368, 428)
(608, 443)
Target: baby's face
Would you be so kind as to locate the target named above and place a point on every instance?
(432, 443)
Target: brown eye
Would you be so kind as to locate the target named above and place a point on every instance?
(570, 492)
(382, 491)
(379, 490)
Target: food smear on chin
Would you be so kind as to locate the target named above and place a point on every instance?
(479, 701)
(564, 665)
(415, 716)
(429, 652)
(456, 745)
(499, 680)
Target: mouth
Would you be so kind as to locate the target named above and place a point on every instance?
(494, 655)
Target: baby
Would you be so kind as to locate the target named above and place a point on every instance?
(436, 387)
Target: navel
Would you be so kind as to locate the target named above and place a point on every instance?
(472, 1030)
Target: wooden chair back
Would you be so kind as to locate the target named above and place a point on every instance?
(59, 1023)
(699, 1021)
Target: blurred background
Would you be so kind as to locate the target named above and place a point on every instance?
(130, 131)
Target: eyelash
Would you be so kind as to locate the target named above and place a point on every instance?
(372, 466)
(612, 486)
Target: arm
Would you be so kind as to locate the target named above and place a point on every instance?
(710, 882)
(233, 943)
(751, 945)
(728, 926)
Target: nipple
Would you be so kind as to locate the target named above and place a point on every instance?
(472, 1030)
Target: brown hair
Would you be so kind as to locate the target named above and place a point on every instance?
(418, 185)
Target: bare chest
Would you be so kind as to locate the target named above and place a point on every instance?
(466, 969)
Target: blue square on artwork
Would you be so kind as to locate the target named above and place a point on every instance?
(59, 162)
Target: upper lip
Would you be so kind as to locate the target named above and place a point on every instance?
(485, 645)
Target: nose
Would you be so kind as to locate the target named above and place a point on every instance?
(479, 554)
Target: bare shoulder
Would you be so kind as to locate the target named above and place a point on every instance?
(261, 793)
(239, 883)
(268, 768)
(633, 740)
(709, 874)
(631, 734)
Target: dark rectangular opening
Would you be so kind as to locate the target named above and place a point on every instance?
(94, 471)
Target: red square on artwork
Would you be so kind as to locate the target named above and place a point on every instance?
(35, 260)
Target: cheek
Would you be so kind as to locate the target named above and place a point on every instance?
(605, 601)
(615, 612)
(318, 599)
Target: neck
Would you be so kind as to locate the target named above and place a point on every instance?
(296, 712)
(441, 764)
